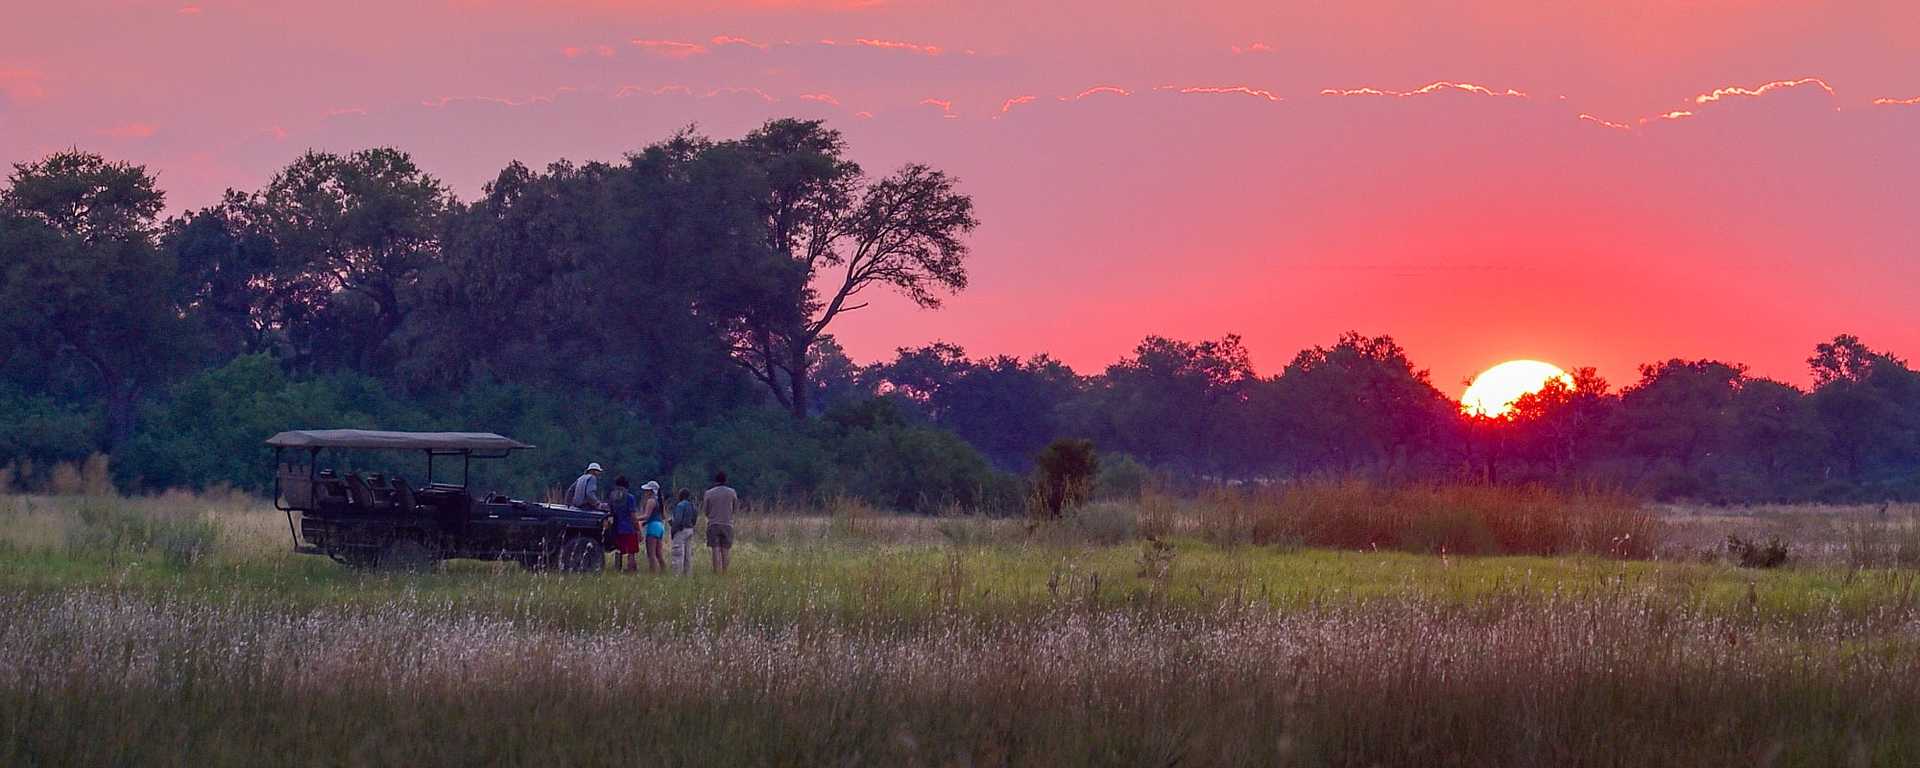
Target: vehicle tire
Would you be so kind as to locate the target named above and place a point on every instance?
(406, 555)
(359, 558)
(582, 554)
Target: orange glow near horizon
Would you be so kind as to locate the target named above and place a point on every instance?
(1493, 392)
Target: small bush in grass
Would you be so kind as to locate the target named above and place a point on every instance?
(1107, 522)
(107, 529)
(184, 543)
(1753, 554)
(1064, 473)
(1894, 544)
(1120, 477)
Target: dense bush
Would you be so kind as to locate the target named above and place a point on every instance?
(1120, 477)
(1063, 474)
(39, 432)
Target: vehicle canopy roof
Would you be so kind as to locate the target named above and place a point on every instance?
(370, 439)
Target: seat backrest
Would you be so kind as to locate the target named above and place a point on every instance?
(403, 493)
(358, 491)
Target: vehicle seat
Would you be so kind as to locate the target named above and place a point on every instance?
(403, 494)
(358, 491)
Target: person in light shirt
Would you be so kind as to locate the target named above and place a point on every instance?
(720, 502)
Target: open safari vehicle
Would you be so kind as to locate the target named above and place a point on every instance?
(381, 519)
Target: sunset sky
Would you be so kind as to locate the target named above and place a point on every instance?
(1585, 183)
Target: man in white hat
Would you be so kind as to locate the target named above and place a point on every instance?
(585, 491)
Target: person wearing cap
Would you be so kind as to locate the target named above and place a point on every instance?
(585, 491)
(655, 527)
(626, 527)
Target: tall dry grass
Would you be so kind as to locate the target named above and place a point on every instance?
(1605, 679)
(1467, 519)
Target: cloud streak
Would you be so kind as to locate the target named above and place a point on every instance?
(670, 49)
(1718, 94)
(1225, 89)
(1430, 88)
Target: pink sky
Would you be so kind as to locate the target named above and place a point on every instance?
(1598, 183)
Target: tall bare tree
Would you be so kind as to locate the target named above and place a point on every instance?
(842, 234)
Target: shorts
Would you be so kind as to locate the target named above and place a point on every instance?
(719, 536)
(656, 529)
(626, 543)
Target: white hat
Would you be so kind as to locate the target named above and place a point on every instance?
(650, 486)
(593, 466)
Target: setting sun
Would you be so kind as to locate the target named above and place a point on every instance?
(1492, 392)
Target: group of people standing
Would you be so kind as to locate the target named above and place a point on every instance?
(643, 517)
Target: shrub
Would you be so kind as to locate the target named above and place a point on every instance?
(1120, 477)
(1064, 473)
(105, 528)
(1107, 522)
(184, 543)
(1894, 544)
(1750, 554)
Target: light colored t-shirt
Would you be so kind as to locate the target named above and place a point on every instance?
(585, 489)
(720, 502)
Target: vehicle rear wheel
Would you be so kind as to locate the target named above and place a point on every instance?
(582, 554)
(358, 557)
(406, 555)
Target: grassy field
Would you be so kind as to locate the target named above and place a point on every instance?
(178, 629)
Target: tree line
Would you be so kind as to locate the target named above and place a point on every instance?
(673, 311)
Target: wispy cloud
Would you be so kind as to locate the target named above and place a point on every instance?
(1721, 93)
(505, 101)
(1605, 123)
(1214, 89)
(21, 84)
(724, 40)
(188, 10)
(896, 45)
(1097, 90)
(741, 91)
(671, 49)
(824, 98)
(346, 112)
(1252, 48)
(1009, 104)
(1896, 102)
(1429, 88)
(134, 130)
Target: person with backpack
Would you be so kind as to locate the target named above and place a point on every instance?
(626, 526)
(683, 519)
(654, 526)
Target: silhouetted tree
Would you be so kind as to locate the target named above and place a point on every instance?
(353, 232)
(1357, 404)
(82, 276)
(842, 234)
(1172, 403)
(1869, 404)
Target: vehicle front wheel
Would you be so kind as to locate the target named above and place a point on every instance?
(582, 554)
(406, 555)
